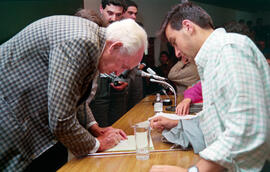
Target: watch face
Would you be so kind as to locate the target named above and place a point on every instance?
(193, 169)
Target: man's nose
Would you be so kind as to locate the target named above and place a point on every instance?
(113, 18)
(133, 16)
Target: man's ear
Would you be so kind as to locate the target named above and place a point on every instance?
(100, 9)
(115, 46)
(188, 26)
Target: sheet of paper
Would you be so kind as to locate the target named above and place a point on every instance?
(173, 116)
(128, 145)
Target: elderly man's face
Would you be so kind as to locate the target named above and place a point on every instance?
(131, 13)
(118, 63)
(112, 13)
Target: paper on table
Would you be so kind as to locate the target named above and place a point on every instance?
(173, 116)
(128, 145)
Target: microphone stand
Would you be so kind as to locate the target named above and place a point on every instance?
(169, 108)
(168, 100)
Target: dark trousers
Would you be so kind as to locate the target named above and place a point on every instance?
(49, 161)
(101, 103)
(108, 104)
(118, 105)
(266, 167)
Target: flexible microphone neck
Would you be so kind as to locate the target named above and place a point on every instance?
(167, 84)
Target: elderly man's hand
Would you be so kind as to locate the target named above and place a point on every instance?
(183, 107)
(109, 139)
(160, 123)
(98, 131)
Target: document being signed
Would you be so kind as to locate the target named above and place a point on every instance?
(128, 145)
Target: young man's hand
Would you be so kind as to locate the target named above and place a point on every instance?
(160, 123)
(183, 107)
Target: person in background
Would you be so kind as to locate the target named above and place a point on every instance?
(109, 103)
(191, 95)
(249, 24)
(165, 64)
(236, 27)
(47, 73)
(241, 21)
(112, 10)
(266, 52)
(235, 80)
(132, 10)
(92, 16)
(183, 74)
(260, 30)
(135, 83)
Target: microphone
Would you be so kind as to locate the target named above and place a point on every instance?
(151, 71)
(148, 75)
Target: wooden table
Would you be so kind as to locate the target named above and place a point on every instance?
(128, 162)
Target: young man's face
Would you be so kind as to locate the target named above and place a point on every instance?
(181, 41)
(131, 13)
(112, 13)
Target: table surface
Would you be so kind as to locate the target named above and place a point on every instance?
(128, 162)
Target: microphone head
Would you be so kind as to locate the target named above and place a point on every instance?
(151, 71)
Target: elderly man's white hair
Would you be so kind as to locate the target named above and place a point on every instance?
(127, 31)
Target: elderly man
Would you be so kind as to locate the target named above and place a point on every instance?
(235, 80)
(47, 72)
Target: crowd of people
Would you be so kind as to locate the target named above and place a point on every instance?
(66, 79)
(259, 33)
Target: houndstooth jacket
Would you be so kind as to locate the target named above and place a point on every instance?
(46, 75)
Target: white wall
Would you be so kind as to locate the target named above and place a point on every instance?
(92, 4)
(152, 12)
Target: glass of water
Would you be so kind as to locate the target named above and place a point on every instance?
(142, 139)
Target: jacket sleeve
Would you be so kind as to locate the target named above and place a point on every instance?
(84, 113)
(70, 65)
(184, 75)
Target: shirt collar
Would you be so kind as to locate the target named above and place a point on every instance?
(202, 56)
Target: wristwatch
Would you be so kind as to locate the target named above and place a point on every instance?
(193, 169)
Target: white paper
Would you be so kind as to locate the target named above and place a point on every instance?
(129, 145)
(173, 116)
